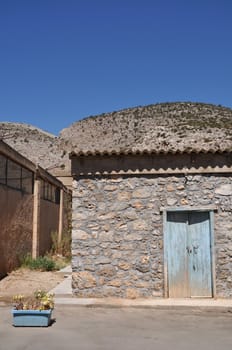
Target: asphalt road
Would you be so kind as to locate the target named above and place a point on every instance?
(127, 328)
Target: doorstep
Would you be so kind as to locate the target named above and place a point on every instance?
(225, 304)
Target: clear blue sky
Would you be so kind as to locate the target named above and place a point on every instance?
(63, 60)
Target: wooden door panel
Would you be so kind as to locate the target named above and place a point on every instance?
(189, 254)
(178, 280)
(200, 258)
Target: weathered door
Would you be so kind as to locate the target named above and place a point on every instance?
(189, 254)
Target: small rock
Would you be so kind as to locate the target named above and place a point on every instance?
(79, 234)
(83, 280)
(171, 201)
(141, 193)
(131, 293)
(224, 190)
(124, 265)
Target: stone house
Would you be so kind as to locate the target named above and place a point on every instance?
(153, 221)
(32, 207)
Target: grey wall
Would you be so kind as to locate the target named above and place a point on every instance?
(118, 231)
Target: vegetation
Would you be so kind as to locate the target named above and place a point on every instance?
(42, 263)
(40, 301)
(58, 257)
(62, 247)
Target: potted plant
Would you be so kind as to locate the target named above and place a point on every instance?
(33, 311)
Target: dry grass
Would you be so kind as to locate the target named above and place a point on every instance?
(25, 281)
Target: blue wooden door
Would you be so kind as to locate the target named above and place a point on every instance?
(189, 254)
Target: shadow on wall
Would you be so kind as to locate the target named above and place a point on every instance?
(148, 162)
(16, 228)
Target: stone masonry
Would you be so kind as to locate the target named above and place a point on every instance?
(118, 231)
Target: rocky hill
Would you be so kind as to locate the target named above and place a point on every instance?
(166, 126)
(37, 145)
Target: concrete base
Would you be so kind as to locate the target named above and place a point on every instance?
(63, 296)
(143, 303)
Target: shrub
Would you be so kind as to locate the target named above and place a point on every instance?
(63, 247)
(42, 263)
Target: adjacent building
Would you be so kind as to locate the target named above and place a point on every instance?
(32, 207)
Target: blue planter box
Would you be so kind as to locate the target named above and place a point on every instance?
(31, 318)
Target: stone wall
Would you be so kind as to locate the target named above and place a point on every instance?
(118, 235)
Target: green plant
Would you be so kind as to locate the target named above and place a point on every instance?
(62, 247)
(40, 301)
(42, 263)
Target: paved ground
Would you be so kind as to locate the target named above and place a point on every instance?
(122, 328)
(103, 324)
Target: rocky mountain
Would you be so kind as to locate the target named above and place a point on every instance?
(166, 127)
(37, 145)
(160, 127)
